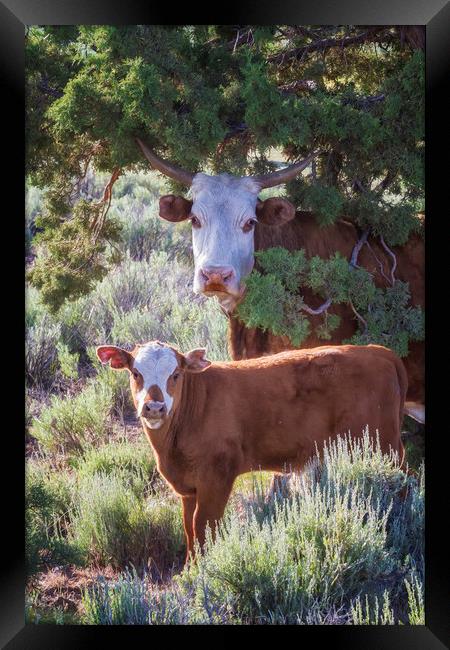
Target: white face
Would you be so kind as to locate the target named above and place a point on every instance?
(223, 238)
(156, 363)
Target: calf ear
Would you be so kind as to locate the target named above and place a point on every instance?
(174, 208)
(274, 211)
(195, 360)
(118, 358)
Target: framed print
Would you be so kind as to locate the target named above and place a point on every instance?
(230, 286)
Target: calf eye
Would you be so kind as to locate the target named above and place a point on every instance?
(175, 375)
(195, 222)
(249, 224)
(135, 374)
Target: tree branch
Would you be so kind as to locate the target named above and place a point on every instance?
(319, 310)
(387, 180)
(379, 33)
(106, 201)
(359, 244)
(246, 38)
(364, 103)
(359, 317)
(392, 254)
(379, 262)
(300, 84)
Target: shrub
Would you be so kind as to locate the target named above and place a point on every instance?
(330, 553)
(118, 526)
(117, 384)
(372, 614)
(335, 537)
(143, 231)
(49, 498)
(71, 424)
(133, 462)
(41, 360)
(132, 600)
(68, 361)
(144, 300)
(309, 554)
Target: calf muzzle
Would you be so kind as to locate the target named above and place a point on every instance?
(153, 410)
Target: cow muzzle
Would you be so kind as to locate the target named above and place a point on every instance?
(154, 413)
(216, 280)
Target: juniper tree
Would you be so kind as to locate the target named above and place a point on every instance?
(222, 98)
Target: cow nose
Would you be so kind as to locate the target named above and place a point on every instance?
(154, 409)
(217, 274)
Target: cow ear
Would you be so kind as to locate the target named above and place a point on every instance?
(117, 357)
(174, 208)
(274, 211)
(195, 360)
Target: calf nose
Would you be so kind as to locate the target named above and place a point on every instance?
(154, 409)
(217, 274)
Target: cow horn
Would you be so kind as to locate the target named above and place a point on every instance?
(166, 168)
(286, 174)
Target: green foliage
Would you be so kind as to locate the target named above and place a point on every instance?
(345, 547)
(266, 111)
(272, 301)
(41, 360)
(71, 424)
(116, 525)
(217, 98)
(373, 614)
(130, 600)
(44, 616)
(72, 255)
(416, 602)
(68, 361)
(116, 384)
(132, 462)
(325, 200)
(140, 301)
(49, 497)
(391, 321)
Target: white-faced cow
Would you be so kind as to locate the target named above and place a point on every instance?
(230, 222)
(210, 422)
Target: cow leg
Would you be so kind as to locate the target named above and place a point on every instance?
(189, 504)
(211, 501)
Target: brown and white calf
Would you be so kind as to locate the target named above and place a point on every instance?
(209, 422)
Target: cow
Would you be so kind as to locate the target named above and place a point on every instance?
(230, 222)
(210, 422)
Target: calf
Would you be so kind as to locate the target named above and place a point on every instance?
(209, 422)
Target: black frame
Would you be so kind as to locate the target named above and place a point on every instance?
(435, 14)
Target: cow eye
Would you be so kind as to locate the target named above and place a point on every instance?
(249, 224)
(195, 222)
(135, 374)
(176, 374)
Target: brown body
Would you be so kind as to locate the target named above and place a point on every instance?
(226, 419)
(303, 232)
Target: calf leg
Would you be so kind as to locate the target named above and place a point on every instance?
(189, 504)
(211, 501)
(279, 485)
